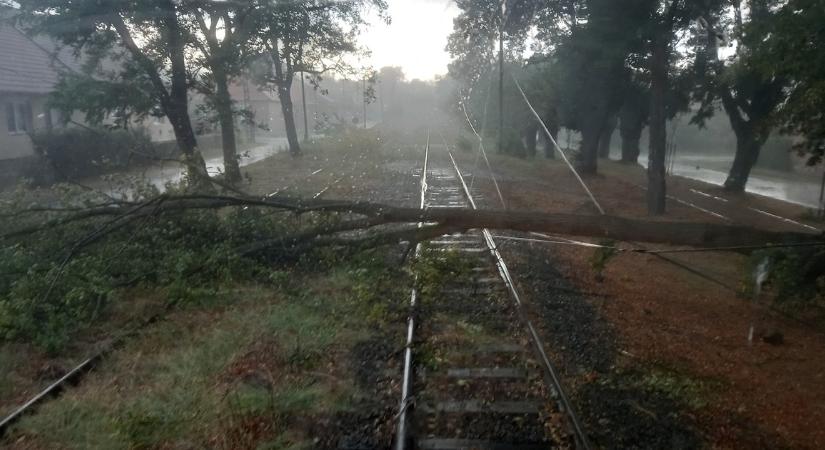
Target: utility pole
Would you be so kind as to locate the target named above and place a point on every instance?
(501, 90)
(365, 102)
(304, 102)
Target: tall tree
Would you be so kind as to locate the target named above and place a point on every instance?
(310, 36)
(488, 39)
(152, 35)
(795, 49)
(592, 41)
(749, 96)
(632, 119)
(389, 78)
(667, 19)
(220, 32)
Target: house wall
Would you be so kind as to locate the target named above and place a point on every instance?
(17, 144)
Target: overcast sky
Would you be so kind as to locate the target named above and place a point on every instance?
(416, 38)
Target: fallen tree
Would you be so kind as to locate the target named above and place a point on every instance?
(62, 263)
(441, 221)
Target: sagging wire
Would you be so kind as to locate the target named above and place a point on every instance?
(484, 154)
(505, 14)
(481, 128)
(569, 242)
(556, 146)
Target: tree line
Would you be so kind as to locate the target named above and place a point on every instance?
(602, 65)
(147, 57)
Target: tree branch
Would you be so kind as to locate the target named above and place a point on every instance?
(602, 226)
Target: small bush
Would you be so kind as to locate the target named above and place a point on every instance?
(511, 143)
(435, 268)
(80, 152)
(189, 256)
(352, 140)
(464, 144)
(795, 274)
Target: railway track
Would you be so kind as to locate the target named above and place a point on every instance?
(476, 374)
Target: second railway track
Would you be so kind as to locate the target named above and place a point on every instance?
(476, 372)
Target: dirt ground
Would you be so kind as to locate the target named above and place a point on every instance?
(685, 314)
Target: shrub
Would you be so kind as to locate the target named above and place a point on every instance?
(511, 143)
(795, 274)
(464, 144)
(190, 256)
(351, 140)
(78, 152)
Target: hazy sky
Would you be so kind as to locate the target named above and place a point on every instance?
(416, 38)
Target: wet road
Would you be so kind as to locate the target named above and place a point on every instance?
(802, 189)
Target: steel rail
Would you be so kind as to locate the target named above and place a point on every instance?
(79, 370)
(52, 389)
(406, 385)
(504, 272)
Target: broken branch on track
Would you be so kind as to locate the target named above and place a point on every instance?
(695, 234)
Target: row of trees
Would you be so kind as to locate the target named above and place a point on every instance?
(146, 57)
(602, 64)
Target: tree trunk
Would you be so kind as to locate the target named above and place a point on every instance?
(587, 158)
(630, 148)
(748, 146)
(591, 122)
(285, 95)
(552, 123)
(749, 138)
(458, 219)
(656, 192)
(607, 136)
(630, 129)
(176, 104)
(223, 104)
(529, 139)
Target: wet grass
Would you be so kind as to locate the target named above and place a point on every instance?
(679, 386)
(243, 373)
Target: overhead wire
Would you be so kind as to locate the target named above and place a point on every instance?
(484, 154)
(482, 151)
(556, 146)
(562, 241)
(482, 127)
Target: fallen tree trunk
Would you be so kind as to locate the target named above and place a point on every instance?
(695, 234)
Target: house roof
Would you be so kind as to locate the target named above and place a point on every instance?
(30, 65)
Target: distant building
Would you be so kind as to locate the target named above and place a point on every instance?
(30, 67)
(28, 73)
(265, 107)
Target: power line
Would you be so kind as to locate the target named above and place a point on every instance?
(556, 145)
(663, 251)
(484, 153)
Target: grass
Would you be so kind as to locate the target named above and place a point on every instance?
(6, 371)
(232, 354)
(242, 368)
(680, 387)
(353, 156)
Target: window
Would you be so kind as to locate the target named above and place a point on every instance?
(19, 117)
